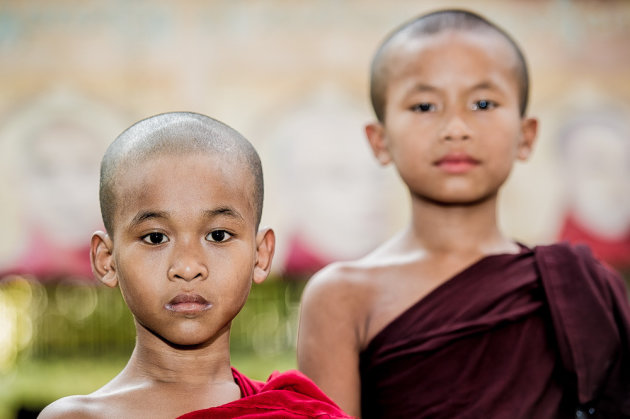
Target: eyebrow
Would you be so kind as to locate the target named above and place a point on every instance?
(420, 87)
(223, 211)
(147, 215)
(227, 211)
(484, 85)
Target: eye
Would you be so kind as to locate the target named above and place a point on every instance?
(423, 107)
(483, 105)
(218, 236)
(155, 238)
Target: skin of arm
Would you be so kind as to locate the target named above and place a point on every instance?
(329, 337)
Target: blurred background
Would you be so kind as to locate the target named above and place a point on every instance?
(292, 76)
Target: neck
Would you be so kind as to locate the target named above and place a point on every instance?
(163, 363)
(448, 229)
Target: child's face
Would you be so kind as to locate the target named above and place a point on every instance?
(452, 123)
(185, 244)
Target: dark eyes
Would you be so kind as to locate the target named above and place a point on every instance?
(156, 238)
(218, 236)
(483, 105)
(423, 107)
(480, 105)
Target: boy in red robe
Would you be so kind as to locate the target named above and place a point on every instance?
(181, 198)
(451, 318)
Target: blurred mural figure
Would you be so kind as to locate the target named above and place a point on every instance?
(57, 142)
(594, 149)
(331, 194)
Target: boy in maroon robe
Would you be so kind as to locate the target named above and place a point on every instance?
(181, 199)
(451, 318)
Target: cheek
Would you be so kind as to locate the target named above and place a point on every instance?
(509, 125)
(137, 295)
(234, 275)
(239, 294)
(505, 156)
(230, 294)
(409, 142)
(504, 138)
(412, 159)
(137, 279)
(232, 272)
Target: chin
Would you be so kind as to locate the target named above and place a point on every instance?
(461, 200)
(188, 342)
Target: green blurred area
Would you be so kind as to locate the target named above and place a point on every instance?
(71, 337)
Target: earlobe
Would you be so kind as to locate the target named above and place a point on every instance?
(265, 248)
(101, 257)
(529, 132)
(375, 133)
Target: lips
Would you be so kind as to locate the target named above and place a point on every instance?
(188, 304)
(456, 163)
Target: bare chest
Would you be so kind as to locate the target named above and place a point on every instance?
(393, 290)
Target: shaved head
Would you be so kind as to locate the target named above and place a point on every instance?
(432, 24)
(175, 133)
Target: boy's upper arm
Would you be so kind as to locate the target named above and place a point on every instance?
(328, 339)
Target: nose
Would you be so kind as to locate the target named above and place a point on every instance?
(455, 128)
(188, 263)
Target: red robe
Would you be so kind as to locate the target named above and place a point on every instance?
(537, 334)
(287, 395)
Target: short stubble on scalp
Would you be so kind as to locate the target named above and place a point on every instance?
(175, 133)
(432, 24)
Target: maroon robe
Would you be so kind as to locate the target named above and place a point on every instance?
(615, 252)
(537, 334)
(289, 395)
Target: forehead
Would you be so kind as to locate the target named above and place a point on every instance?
(459, 54)
(184, 185)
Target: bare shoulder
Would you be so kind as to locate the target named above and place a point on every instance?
(355, 276)
(341, 287)
(342, 294)
(73, 407)
(106, 402)
(341, 277)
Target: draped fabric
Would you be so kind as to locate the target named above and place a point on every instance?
(287, 395)
(591, 319)
(483, 344)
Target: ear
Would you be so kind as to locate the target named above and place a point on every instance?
(375, 133)
(529, 131)
(102, 260)
(265, 248)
